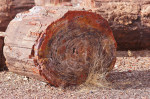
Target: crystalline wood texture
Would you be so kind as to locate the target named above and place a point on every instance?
(62, 46)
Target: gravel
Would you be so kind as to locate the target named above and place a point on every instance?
(130, 79)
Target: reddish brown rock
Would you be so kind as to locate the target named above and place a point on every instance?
(123, 18)
(63, 46)
(129, 21)
(145, 26)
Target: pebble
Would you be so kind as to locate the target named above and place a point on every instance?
(25, 78)
(8, 77)
(44, 83)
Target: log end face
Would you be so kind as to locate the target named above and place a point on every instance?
(77, 45)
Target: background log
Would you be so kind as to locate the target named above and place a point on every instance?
(2, 59)
(82, 3)
(129, 20)
(9, 8)
(64, 49)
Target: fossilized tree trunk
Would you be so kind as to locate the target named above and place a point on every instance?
(9, 8)
(81, 3)
(66, 47)
(62, 46)
(129, 20)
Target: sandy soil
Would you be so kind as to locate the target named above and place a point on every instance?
(130, 79)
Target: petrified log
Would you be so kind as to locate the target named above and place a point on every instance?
(82, 3)
(64, 47)
(51, 2)
(128, 19)
(9, 8)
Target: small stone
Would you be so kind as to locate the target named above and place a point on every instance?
(92, 92)
(25, 78)
(8, 77)
(129, 53)
(129, 71)
(116, 66)
(44, 83)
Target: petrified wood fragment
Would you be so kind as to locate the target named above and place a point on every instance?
(9, 8)
(129, 22)
(82, 3)
(64, 47)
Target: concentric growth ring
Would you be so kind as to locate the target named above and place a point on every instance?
(74, 46)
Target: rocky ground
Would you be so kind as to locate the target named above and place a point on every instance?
(130, 80)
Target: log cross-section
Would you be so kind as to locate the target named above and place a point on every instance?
(73, 45)
(64, 47)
